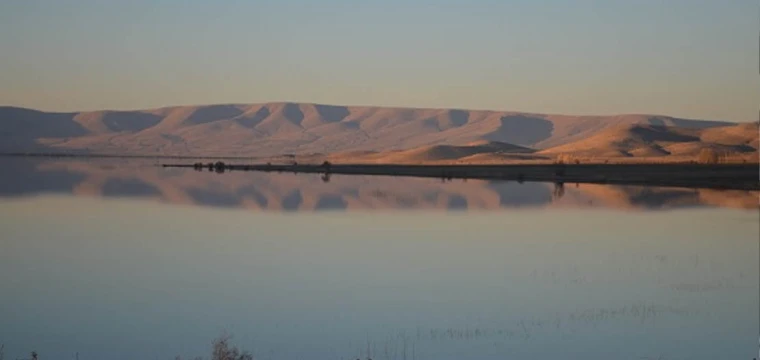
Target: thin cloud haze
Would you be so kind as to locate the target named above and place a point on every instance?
(686, 58)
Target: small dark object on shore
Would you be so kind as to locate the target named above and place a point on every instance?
(219, 167)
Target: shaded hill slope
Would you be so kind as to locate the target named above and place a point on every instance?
(651, 140)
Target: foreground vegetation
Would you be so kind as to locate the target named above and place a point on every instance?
(221, 350)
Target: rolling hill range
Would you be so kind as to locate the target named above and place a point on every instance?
(397, 133)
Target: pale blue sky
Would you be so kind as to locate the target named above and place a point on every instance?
(690, 58)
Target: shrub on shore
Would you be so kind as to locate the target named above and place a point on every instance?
(223, 350)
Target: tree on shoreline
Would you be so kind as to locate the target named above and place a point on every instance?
(709, 156)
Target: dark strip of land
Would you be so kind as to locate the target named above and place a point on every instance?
(717, 176)
(120, 156)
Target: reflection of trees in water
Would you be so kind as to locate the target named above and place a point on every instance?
(411, 344)
(655, 269)
(177, 185)
(400, 199)
(724, 283)
(590, 317)
(559, 190)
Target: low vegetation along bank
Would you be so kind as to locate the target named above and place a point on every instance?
(718, 176)
(222, 349)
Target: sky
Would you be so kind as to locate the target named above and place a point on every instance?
(686, 58)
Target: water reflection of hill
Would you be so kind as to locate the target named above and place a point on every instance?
(309, 192)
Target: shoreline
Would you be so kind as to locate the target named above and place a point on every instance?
(731, 176)
(714, 176)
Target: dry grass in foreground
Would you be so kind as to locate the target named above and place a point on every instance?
(221, 350)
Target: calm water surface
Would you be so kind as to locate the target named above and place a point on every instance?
(125, 260)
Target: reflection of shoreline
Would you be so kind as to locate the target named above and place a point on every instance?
(309, 192)
(715, 176)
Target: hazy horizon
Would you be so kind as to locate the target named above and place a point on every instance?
(688, 59)
(360, 105)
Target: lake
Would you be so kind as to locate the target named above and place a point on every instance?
(122, 259)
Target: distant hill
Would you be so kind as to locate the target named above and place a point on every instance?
(433, 153)
(651, 140)
(300, 128)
